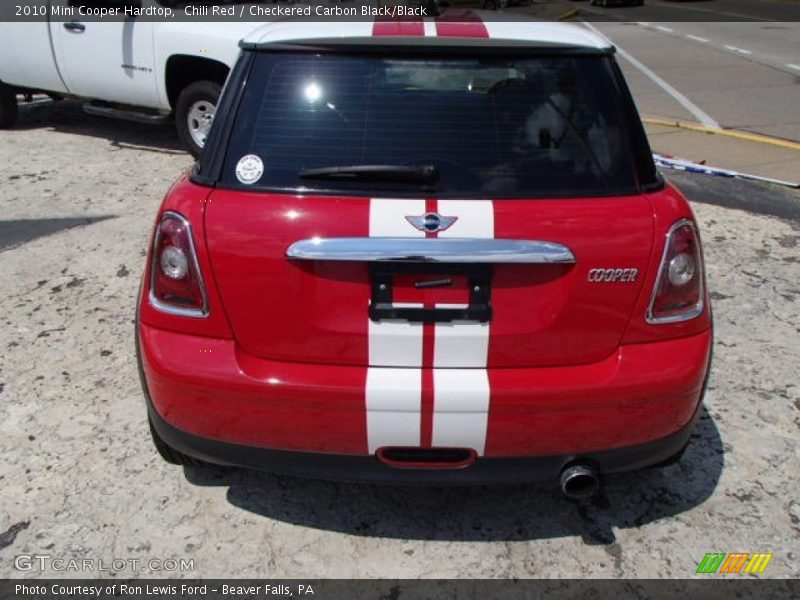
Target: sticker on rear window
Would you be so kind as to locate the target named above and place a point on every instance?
(249, 169)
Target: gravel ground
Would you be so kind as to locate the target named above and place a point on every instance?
(79, 477)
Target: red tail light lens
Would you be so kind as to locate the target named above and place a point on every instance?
(176, 286)
(678, 293)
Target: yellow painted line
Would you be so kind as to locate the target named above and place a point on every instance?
(733, 133)
(570, 14)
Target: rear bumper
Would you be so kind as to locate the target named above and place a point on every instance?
(210, 400)
(368, 469)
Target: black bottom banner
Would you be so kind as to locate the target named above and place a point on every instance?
(356, 589)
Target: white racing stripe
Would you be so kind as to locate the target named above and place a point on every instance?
(387, 217)
(461, 408)
(393, 407)
(460, 350)
(394, 377)
(394, 343)
(430, 27)
(393, 395)
(463, 344)
(460, 345)
(475, 218)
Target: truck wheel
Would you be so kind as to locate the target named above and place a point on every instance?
(8, 106)
(194, 112)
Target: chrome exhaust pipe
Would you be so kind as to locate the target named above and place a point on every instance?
(579, 481)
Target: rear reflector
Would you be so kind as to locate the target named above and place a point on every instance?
(402, 457)
(678, 293)
(176, 286)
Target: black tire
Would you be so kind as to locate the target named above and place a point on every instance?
(8, 106)
(169, 454)
(190, 100)
(490, 5)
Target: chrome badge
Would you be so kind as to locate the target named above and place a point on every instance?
(431, 222)
(612, 275)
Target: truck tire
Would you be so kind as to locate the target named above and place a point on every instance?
(8, 106)
(194, 111)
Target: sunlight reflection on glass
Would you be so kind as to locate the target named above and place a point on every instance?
(313, 92)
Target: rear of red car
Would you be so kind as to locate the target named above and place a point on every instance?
(428, 263)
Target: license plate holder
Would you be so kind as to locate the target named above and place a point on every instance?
(383, 307)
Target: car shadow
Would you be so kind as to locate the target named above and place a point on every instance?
(484, 513)
(21, 231)
(67, 116)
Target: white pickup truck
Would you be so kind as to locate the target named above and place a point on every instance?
(135, 69)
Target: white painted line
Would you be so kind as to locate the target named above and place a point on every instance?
(737, 50)
(746, 17)
(697, 38)
(662, 28)
(791, 66)
(695, 110)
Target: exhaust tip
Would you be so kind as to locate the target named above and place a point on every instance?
(579, 481)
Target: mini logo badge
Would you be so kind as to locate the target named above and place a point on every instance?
(431, 222)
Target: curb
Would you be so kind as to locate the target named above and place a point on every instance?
(733, 133)
(570, 14)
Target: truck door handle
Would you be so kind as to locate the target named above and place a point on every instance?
(75, 26)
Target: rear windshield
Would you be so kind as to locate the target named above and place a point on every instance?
(487, 126)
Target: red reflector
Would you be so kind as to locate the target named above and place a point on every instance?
(176, 286)
(403, 457)
(678, 293)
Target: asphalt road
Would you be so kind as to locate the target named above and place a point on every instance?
(735, 75)
(716, 10)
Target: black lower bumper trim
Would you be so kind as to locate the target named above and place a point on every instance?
(485, 470)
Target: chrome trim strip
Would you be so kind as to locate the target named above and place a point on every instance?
(662, 272)
(169, 308)
(444, 250)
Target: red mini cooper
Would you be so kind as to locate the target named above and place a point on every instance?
(434, 251)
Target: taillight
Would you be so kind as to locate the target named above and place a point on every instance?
(176, 286)
(678, 293)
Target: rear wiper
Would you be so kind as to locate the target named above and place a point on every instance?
(399, 173)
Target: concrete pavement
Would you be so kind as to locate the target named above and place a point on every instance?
(756, 158)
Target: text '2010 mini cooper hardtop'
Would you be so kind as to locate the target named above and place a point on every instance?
(432, 251)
